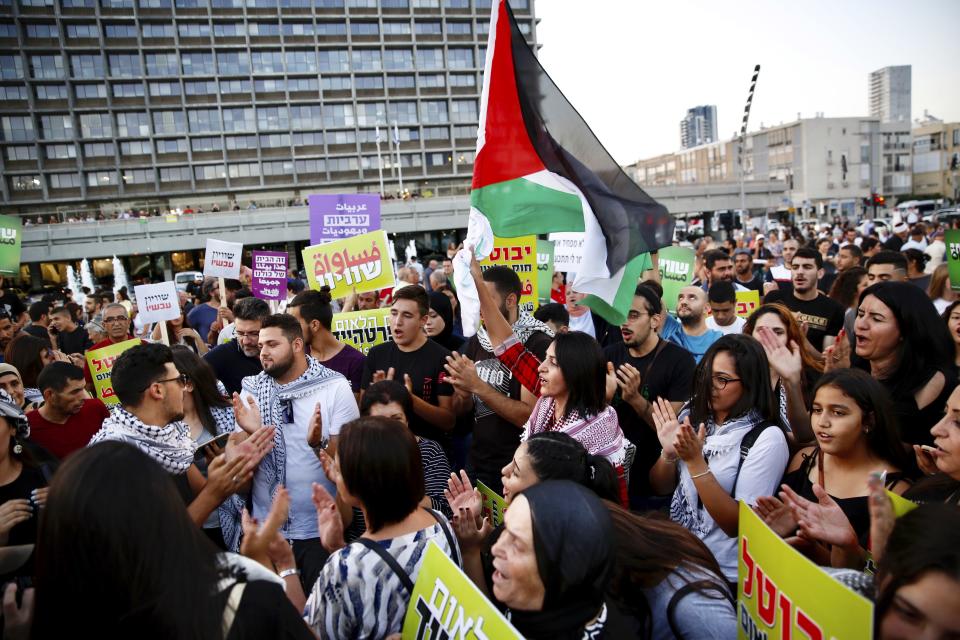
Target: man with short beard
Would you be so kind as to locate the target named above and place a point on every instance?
(648, 367)
(240, 357)
(743, 270)
(691, 332)
(291, 392)
(779, 276)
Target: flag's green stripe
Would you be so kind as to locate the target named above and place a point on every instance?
(520, 207)
(615, 311)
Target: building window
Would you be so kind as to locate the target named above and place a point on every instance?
(135, 148)
(309, 139)
(272, 118)
(244, 170)
(194, 29)
(200, 88)
(8, 30)
(436, 133)
(48, 67)
(459, 29)
(464, 110)
(206, 144)
(264, 29)
(463, 133)
(402, 112)
(233, 63)
(25, 183)
(60, 151)
(463, 80)
(124, 65)
(235, 143)
(331, 28)
(164, 89)
(429, 28)
(275, 141)
(19, 154)
(234, 86)
(301, 61)
(364, 29)
(398, 60)
(229, 30)
(460, 58)
(197, 64)
(341, 137)
(336, 83)
(433, 112)
(51, 92)
(366, 60)
(278, 168)
(305, 117)
(165, 122)
(210, 172)
(273, 85)
(204, 120)
(97, 149)
(83, 30)
(371, 113)
(120, 30)
(334, 60)
(96, 125)
(316, 165)
(128, 90)
(430, 58)
(369, 82)
(267, 61)
(338, 115)
(133, 123)
(16, 92)
(401, 82)
(90, 91)
(303, 84)
(43, 30)
(157, 30)
(138, 176)
(239, 119)
(298, 29)
(87, 66)
(175, 174)
(396, 28)
(101, 178)
(17, 128)
(56, 127)
(172, 145)
(432, 80)
(64, 180)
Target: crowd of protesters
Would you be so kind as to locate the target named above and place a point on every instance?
(259, 477)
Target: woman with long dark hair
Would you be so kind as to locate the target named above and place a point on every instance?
(847, 287)
(180, 332)
(905, 345)
(951, 317)
(29, 355)
(155, 574)
(208, 413)
(705, 466)
(856, 436)
(22, 482)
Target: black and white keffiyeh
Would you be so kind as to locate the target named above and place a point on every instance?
(525, 326)
(170, 446)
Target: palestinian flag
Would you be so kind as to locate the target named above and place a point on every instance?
(539, 169)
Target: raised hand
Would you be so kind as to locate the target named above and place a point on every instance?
(665, 420)
(882, 517)
(777, 515)
(257, 537)
(689, 443)
(225, 478)
(328, 519)
(247, 413)
(823, 520)
(330, 469)
(925, 460)
(461, 494)
(315, 429)
(254, 448)
(470, 535)
(610, 383)
(837, 355)
(629, 381)
(785, 360)
(462, 373)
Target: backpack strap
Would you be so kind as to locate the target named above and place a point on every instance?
(454, 551)
(230, 609)
(745, 445)
(403, 576)
(683, 592)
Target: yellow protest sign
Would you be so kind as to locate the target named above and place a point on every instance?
(901, 506)
(494, 506)
(360, 263)
(782, 594)
(362, 329)
(446, 604)
(101, 362)
(520, 254)
(747, 302)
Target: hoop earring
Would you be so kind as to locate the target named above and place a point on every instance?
(18, 448)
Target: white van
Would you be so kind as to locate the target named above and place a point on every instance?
(183, 278)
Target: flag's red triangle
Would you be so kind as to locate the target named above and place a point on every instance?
(507, 152)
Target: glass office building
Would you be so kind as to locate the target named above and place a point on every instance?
(120, 101)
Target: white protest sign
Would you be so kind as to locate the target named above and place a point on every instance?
(157, 302)
(567, 251)
(222, 259)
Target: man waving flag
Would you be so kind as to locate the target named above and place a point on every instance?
(539, 169)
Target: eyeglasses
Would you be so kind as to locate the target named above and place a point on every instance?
(115, 319)
(247, 334)
(181, 379)
(720, 382)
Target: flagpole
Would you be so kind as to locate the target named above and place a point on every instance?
(396, 140)
(379, 162)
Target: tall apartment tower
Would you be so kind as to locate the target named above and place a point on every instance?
(890, 94)
(699, 126)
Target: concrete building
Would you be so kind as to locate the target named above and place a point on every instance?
(828, 164)
(936, 158)
(114, 103)
(699, 126)
(890, 102)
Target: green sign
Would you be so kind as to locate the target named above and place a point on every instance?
(446, 604)
(676, 272)
(544, 269)
(494, 506)
(953, 257)
(11, 229)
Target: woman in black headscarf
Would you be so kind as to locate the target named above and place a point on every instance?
(439, 326)
(552, 562)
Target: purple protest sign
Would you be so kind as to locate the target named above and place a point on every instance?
(269, 275)
(339, 216)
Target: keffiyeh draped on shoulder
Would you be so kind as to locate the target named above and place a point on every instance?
(599, 434)
(170, 445)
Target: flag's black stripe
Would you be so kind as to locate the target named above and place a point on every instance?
(632, 222)
(746, 116)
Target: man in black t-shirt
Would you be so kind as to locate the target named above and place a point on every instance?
(647, 368)
(13, 305)
(744, 274)
(499, 404)
(70, 337)
(416, 361)
(822, 315)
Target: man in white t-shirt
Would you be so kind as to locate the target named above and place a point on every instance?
(722, 299)
(290, 389)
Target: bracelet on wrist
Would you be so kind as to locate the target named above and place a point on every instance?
(701, 474)
(668, 459)
(288, 572)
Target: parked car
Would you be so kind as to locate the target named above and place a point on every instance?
(183, 278)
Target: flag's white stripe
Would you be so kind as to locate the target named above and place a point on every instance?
(487, 65)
